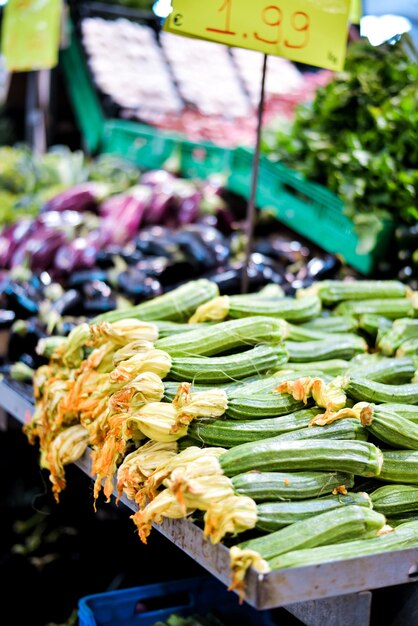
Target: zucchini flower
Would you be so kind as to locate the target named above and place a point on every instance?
(216, 310)
(130, 350)
(140, 464)
(66, 448)
(42, 378)
(155, 420)
(361, 411)
(210, 403)
(198, 492)
(48, 346)
(122, 332)
(190, 457)
(240, 562)
(71, 353)
(233, 515)
(144, 388)
(101, 359)
(326, 395)
(151, 360)
(165, 504)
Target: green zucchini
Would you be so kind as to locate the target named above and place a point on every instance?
(222, 369)
(268, 383)
(400, 466)
(373, 324)
(333, 291)
(167, 329)
(356, 457)
(391, 428)
(242, 407)
(285, 308)
(400, 539)
(281, 486)
(332, 367)
(176, 305)
(222, 337)
(366, 390)
(229, 433)
(274, 515)
(402, 330)
(405, 410)
(333, 324)
(408, 348)
(335, 526)
(337, 347)
(348, 428)
(395, 499)
(385, 370)
(403, 518)
(299, 332)
(393, 308)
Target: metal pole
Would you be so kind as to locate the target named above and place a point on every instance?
(249, 226)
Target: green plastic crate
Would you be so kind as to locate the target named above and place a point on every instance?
(85, 101)
(200, 160)
(309, 209)
(143, 145)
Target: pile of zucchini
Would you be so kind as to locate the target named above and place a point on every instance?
(322, 492)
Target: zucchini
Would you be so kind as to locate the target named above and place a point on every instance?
(395, 499)
(167, 329)
(279, 486)
(370, 391)
(391, 428)
(402, 330)
(217, 338)
(373, 324)
(261, 405)
(229, 433)
(267, 384)
(400, 539)
(337, 347)
(285, 308)
(404, 518)
(400, 466)
(332, 367)
(333, 526)
(405, 410)
(385, 370)
(333, 291)
(408, 348)
(341, 429)
(222, 369)
(274, 515)
(176, 305)
(354, 457)
(393, 308)
(333, 324)
(299, 332)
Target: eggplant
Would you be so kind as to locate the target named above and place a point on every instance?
(83, 197)
(137, 285)
(156, 178)
(98, 305)
(96, 289)
(17, 300)
(24, 338)
(79, 254)
(200, 256)
(157, 241)
(11, 238)
(77, 279)
(323, 267)
(70, 303)
(121, 215)
(6, 320)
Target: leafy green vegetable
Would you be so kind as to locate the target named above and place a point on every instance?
(359, 137)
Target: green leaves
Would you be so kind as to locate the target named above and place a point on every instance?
(359, 137)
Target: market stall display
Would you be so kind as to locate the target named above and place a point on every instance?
(155, 428)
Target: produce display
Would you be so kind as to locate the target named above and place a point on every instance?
(358, 139)
(147, 77)
(286, 426)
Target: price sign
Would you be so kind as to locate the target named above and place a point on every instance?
(308, 31)
(30, 34)
(355, 11)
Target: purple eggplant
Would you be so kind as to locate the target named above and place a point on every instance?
(122, 215)
(156, 178)
(39, 250)
(161, 203)
(11, 238)
(83, 197)
(76, 255)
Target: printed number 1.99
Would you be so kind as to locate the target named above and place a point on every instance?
(273, 17)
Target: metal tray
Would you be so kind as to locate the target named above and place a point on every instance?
(302, 585)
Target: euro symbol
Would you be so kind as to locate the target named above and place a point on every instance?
(178, 19)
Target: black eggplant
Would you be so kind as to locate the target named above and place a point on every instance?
(78, 279)
(24, 338)
(70, 303)
(137, 285)
(19, 300)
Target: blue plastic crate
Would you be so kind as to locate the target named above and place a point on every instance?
(143, 606)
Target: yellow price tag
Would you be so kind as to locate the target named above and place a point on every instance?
(355, 11)
(308, 31)
(30, 34)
